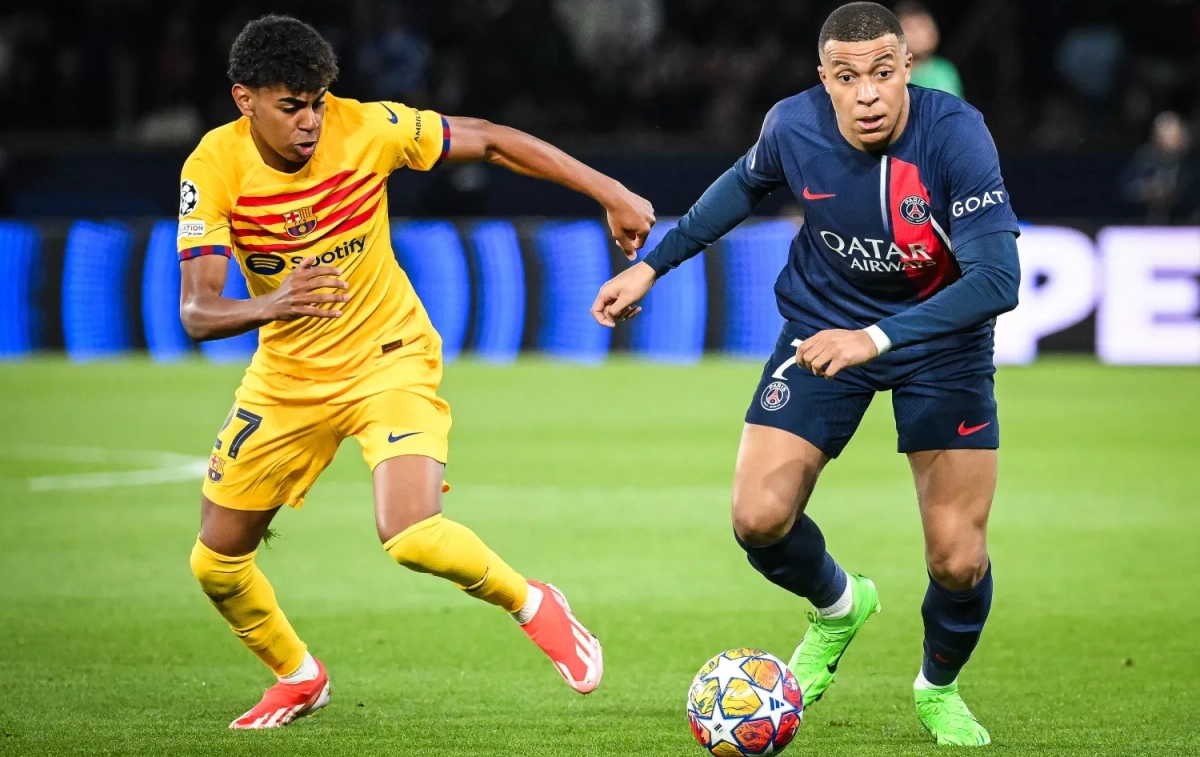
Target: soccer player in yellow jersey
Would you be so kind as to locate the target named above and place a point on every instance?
(295, 190)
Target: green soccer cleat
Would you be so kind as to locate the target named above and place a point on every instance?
(945, 715)
(815, 661)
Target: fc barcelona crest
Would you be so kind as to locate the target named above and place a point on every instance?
(216, 469)
(298, 223)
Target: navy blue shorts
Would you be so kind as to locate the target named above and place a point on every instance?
(941, 400)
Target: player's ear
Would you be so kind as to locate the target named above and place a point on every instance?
(244, 100)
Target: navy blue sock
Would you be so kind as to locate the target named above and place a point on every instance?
(953, 624)
(799, 563)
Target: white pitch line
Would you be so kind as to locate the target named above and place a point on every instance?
(96, 455)
(170, 467)
(190, 472)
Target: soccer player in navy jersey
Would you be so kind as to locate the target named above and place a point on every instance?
(906, 256)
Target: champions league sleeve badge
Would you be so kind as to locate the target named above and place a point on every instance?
(189, 197)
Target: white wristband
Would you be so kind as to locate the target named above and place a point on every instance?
(882, 343)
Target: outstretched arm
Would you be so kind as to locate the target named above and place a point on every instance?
(724, 205)
(630, 217)
(729, 201)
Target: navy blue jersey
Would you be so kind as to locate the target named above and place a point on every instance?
(880, 229)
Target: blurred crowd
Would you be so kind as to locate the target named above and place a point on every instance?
(1049, 75)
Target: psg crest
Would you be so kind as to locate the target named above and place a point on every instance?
(776, 395)
(298, 223)
(914, 209)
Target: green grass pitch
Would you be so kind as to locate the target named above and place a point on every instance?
(613, 483)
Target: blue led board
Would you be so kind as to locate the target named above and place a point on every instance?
(432, 255)
(95, 301)
(165, 337)
(574, 260)
(20, 259)
(500, 291)
(671, 325)
(753, 255)
(235, 349)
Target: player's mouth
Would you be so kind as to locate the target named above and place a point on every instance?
(870, 123)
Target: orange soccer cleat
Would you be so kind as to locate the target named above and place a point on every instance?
(573, 649)
(284, 702)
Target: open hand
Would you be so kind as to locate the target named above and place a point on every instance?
(297, 294)
(618, 298)
(827, 352)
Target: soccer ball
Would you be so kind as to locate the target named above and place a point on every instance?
(743, 702)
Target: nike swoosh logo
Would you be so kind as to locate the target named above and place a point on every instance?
(391, 116)
(810, 196)
(392, 438)
(964, 430)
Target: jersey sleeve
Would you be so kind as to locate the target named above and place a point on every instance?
(729, 201)
(417, 139)
(979, 203)
(204, 207)
(761, 167)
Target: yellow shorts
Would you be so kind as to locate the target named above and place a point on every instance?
(283, 430)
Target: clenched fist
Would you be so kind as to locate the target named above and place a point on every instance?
(630, 218)
(827, 352)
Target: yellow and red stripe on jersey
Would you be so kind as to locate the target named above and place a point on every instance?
(353, 203)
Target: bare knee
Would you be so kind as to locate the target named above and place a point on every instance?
(765, 509)
(957, 570)
(776, 472)
(757, 525)
(408, 491)
(233, 533)
(763, 514)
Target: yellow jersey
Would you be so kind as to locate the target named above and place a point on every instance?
(334, 208)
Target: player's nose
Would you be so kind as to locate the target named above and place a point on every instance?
(308, 121)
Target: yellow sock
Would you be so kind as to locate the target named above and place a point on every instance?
(244, 597)
(452, 551)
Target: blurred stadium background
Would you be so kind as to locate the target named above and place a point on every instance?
(602, 458)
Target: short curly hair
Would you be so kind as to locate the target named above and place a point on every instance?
(280, 50)
(859, 22)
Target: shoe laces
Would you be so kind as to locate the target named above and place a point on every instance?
(825, 633)
(946, 706)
